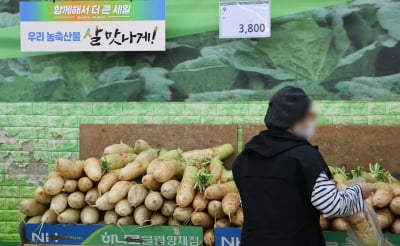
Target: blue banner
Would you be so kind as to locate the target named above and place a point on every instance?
(227, 236)
(58, 234)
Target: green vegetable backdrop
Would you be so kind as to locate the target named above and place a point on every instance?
(346, 51)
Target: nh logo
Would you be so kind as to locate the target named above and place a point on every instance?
(227, 236)
(230, 241)
(42, 237)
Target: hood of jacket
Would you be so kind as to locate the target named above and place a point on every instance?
(270, 143)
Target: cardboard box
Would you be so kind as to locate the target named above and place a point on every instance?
(231, 237)
(79, 234)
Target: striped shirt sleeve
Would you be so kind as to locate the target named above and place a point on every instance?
(333, 203)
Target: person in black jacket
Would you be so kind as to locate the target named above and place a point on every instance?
(284, 182)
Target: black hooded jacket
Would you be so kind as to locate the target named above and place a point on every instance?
(275, 175)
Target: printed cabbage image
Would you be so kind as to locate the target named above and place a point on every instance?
(349, 51)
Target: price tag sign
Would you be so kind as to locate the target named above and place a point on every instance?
(247, 19)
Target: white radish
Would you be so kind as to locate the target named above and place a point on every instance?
(138, 167)
(91, 196)
(106, 182)
(223, 223)
(69, 216)
(238, 218)
(123, 208)
(70, 185)
(54, 184)
(141, 145)
(142, 215)
(85, 184)
(200, 202)
(127, 220)
(110, 217)
(149, 181)
(169, 189)
(168, 208)
(209, 237)
(41, 196)
(215, 209)
(93, 169)
(59, 203)
(158, 219)
(76, 200)
(173, 222)
(231, 203)
(201, 219)
(89, 215)
(103, 203)
(35, 220)
(49, 217)
(182, 214)
(153, 201)
(118, 149)
(69, 169)
(119, 191)
(137, 194)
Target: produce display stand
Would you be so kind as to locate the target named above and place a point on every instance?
(336, 144)
(93, 140)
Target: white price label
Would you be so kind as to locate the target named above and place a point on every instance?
(250, 19)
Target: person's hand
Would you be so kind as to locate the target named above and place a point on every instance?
(367, 189)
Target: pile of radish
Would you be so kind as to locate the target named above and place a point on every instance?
(143, 186)
(385, 201)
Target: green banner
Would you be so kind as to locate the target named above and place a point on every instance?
(151, 235)
(183, 18)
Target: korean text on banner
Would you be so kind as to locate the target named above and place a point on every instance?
(93, 26)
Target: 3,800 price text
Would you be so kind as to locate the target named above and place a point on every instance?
(250, 28)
